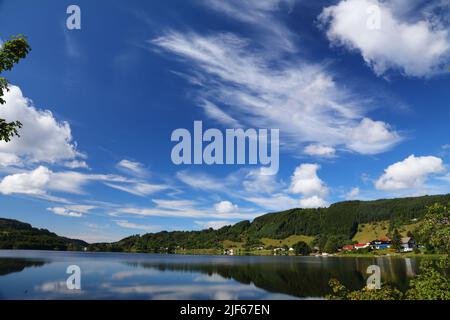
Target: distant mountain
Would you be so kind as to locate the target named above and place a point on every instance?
(18, 235)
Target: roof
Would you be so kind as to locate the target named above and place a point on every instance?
(360, 244)
(406, 239)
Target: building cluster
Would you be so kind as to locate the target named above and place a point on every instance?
(408, 244)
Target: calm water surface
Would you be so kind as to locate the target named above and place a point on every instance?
(42, 275)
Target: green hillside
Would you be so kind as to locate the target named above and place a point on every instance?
(18, 235)
(335, 225)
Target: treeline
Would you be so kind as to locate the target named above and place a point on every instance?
(332, 227)
(18, 235)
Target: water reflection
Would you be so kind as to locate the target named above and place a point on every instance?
(300, 277)
(11, 265)
(42, 275)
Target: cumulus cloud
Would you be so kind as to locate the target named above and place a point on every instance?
(301, 98)
(386, 38)
(306, 182)
(313, 202)
(225, 207)
(410, 173)
(42, 138)
(31, 183)
(371, 137)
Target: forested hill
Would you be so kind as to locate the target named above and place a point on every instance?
(339, 222)
(336, 224)
(18, 235)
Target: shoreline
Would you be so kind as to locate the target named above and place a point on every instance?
(191, 253)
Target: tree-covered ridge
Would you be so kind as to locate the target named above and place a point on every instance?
(332, 227)
(18, 235)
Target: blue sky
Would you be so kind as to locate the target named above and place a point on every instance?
(358, 88)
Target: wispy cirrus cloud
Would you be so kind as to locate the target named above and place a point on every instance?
(301, 97)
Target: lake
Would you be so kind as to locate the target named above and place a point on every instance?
(42, 275)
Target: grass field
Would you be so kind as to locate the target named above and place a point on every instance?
(290, 241)
(371, 231)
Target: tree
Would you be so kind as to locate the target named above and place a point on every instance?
(434, 231)
(431, 283)
(301, 248)
(11, 52)
(340, 292)
(397, 240)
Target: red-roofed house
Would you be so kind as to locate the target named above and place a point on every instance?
(361, 246)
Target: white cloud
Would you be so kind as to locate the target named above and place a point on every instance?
(276, 202)
(76, 164)
(182, 208)
(31, 183)
(139, 188)
(371, 137)
(313, 202)
(416, 48)
(9, 159)
(353, 194)
(65, 212)
(215, 113)
(301, 98)
(80, 208)
(410, 173)
(225, 207)
(306, 182)
(200, 181)
(260, 14)
(213, 224)
(129, 225)
(134, 167)
(42, 180)
(320, 150)
(255, 182)
(42, 138)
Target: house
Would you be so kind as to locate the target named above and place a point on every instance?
(381, 244)
(359, 246)
(348, 247)
(229, 252)
(408, 244)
